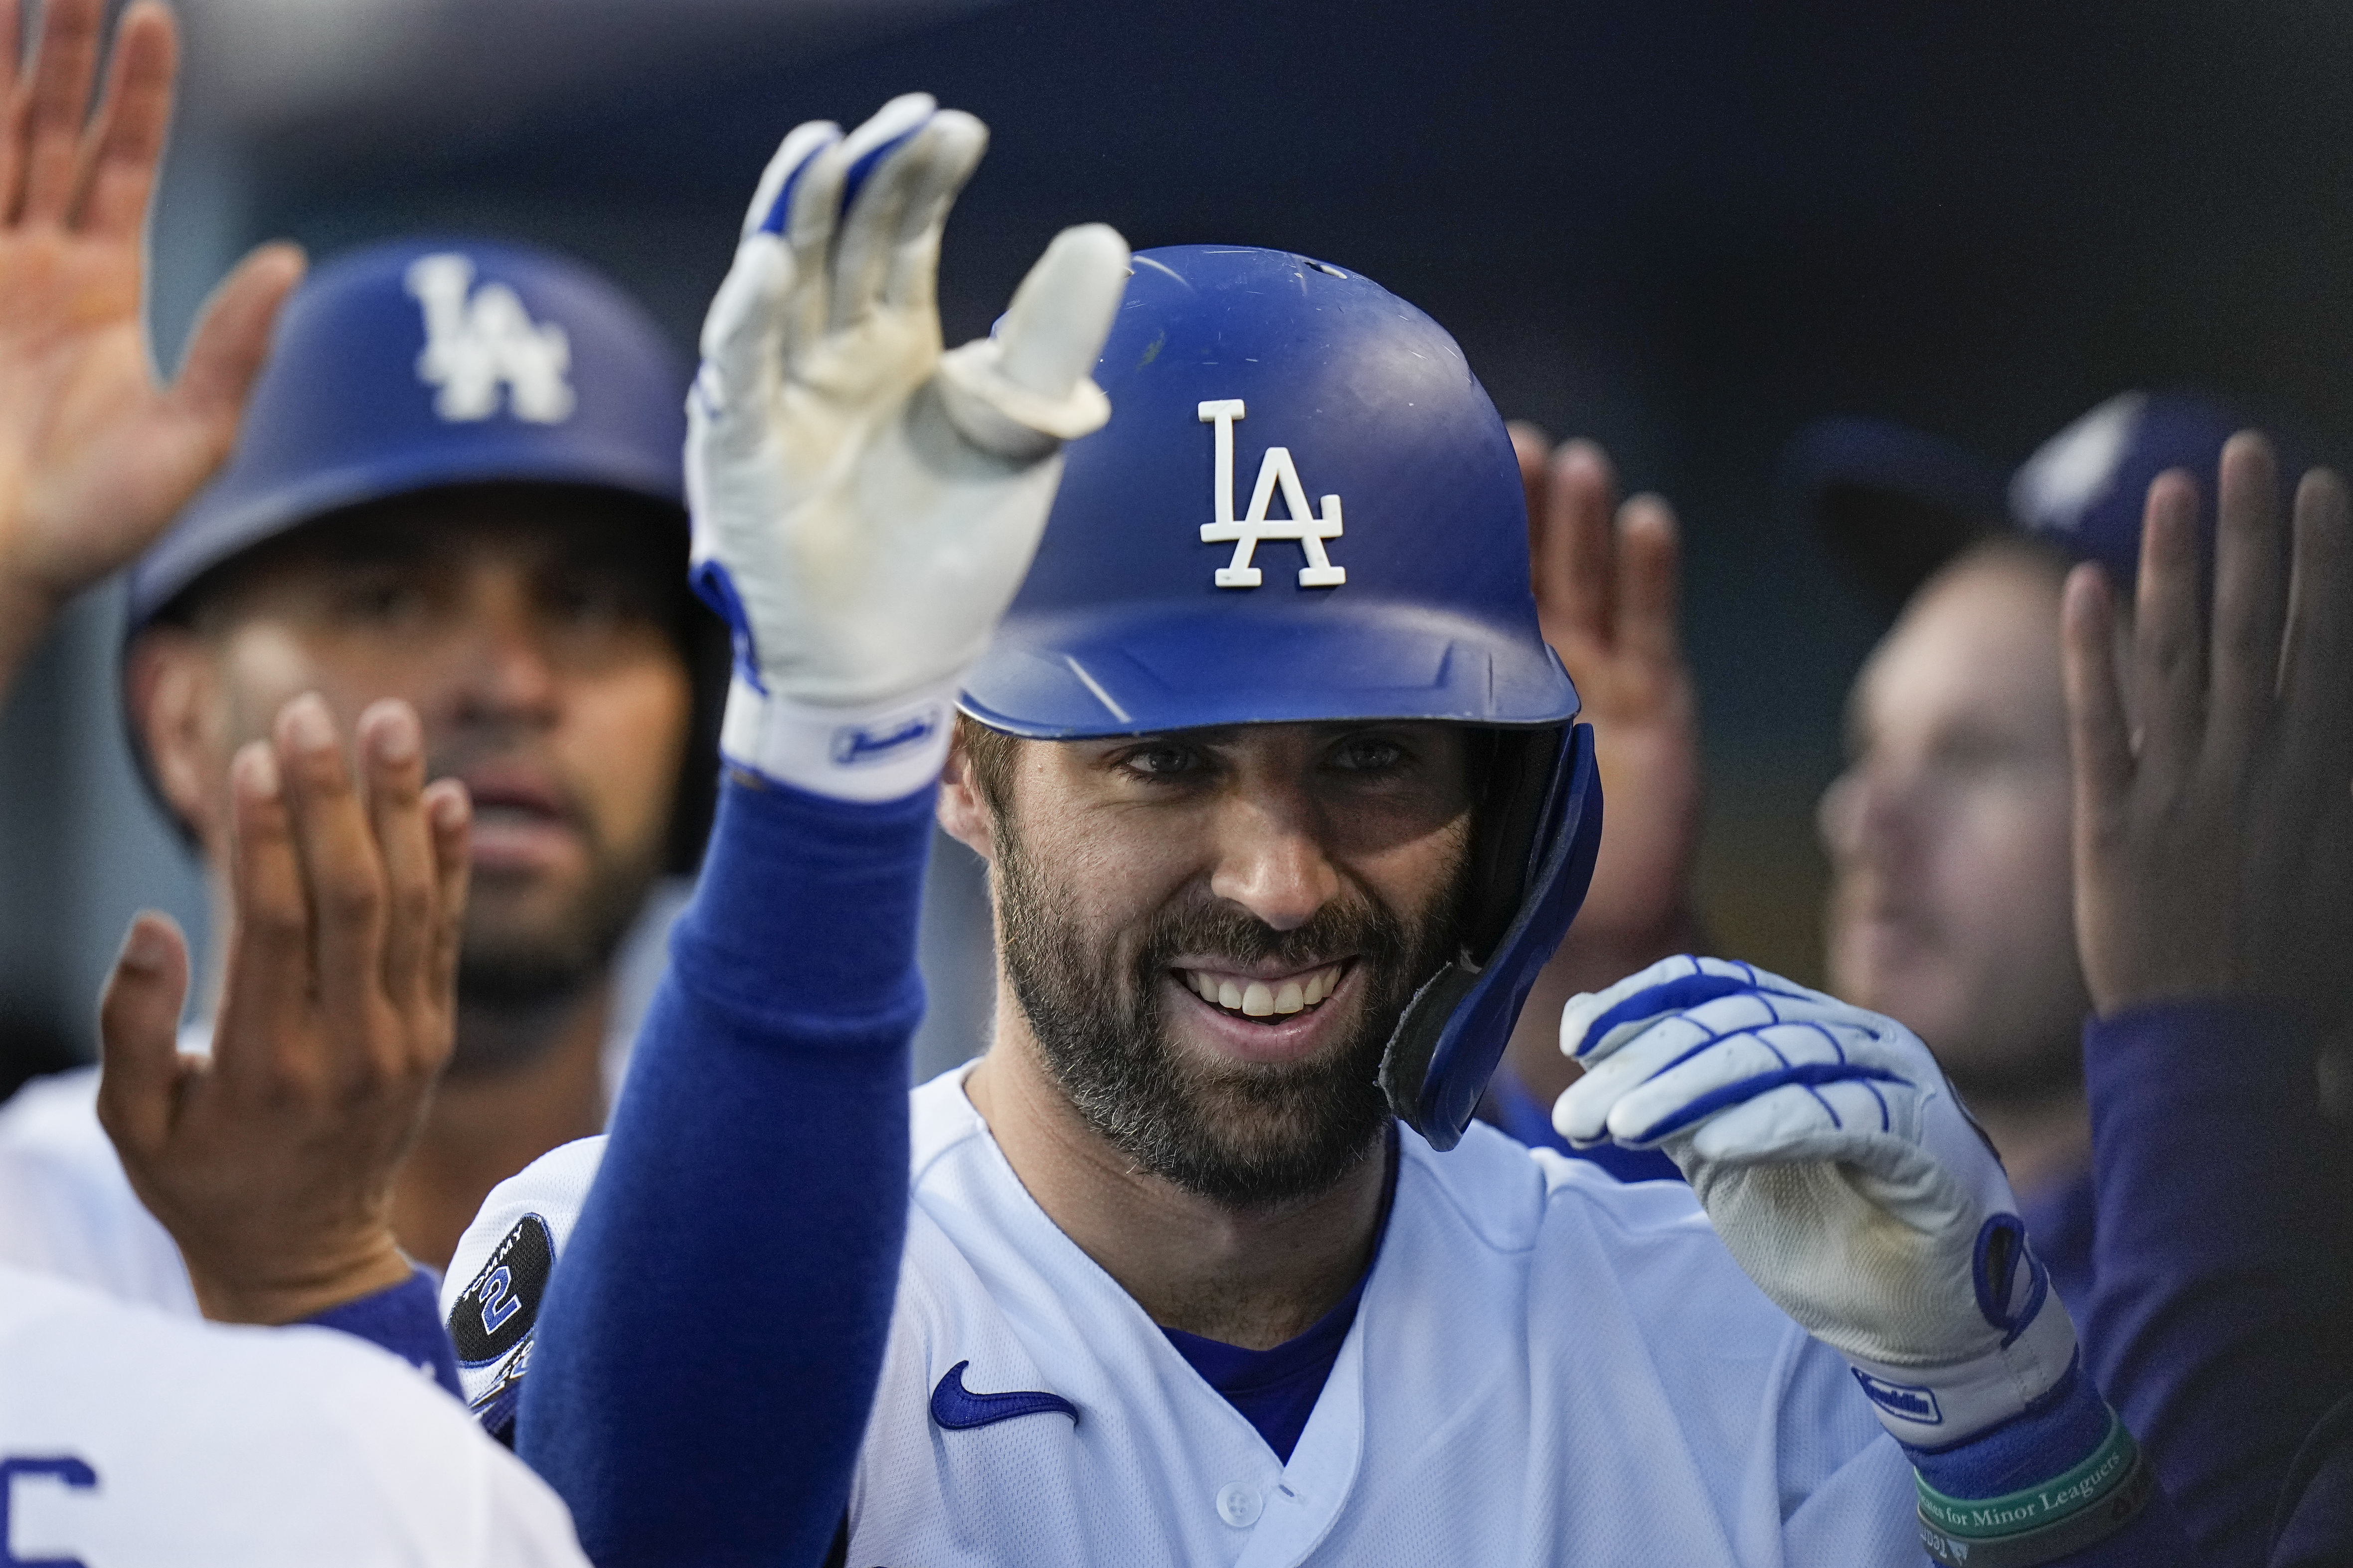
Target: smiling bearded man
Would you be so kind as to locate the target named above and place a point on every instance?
(1110, 1010)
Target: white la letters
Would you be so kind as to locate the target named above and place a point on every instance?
(475, 343)
(1245, 535)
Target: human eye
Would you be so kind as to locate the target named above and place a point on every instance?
(380, 595)
(1369, 755)
(1162, 762)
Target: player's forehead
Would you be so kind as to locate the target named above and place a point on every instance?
(1977, 648)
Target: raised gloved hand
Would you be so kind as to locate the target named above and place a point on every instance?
(1849, 1184)
(1826, 1147)
(866, 506)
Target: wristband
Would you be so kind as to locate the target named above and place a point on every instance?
(2040, 1523)
(871, 752)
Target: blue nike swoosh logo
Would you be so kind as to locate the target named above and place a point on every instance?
(959, 1409)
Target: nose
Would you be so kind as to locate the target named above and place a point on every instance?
(1271, 860)
(506, 673)
(1863, 813)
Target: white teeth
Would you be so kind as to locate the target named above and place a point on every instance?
(1261, 999)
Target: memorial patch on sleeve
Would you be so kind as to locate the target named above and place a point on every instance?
(502, 1304)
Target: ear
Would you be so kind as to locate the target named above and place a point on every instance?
(963, 809)
(166, 674)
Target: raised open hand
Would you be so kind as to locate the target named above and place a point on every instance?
(1607, 585)
(96, 456)
(273, 1162)
(2214, 813)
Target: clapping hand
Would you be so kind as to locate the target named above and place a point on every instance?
(272, 1161)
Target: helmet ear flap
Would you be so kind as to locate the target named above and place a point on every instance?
(1531, 861)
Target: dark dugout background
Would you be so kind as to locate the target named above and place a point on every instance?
(1684, 228)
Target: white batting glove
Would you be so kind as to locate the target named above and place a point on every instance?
(1841, 1172)
(865, 505)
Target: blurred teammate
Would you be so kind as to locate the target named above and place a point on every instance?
(1952, 902)
(458, 486)
(127, 1438)
(1285, 807)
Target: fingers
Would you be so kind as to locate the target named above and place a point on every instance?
(2316, 679)
(450, 814)
(866, 175)
(956, 142)
(2250, 599)
(1533, 448)
(772, 199)
(230, 342)
(139, 1031)
(2169, 666)
(879, 191)
(269, 994)
(1649, 581)
(342, 874)
(391, 769)
(125, 141)
(1055, 328)
(743, 337)
(1570, 556)
(55, 101)
(2098, 736)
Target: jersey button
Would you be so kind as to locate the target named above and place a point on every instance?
(1239, 1504)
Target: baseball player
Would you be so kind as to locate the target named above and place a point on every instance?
(127, 1438)
(1284, 805)
(458, 485)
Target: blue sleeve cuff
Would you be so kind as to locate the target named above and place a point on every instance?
(2050, 1438)
(405, 1321)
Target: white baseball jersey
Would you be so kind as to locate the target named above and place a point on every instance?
(129, 1439)
(1548, 1367)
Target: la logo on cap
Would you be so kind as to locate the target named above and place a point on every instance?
(478, 340)
(1254, 526)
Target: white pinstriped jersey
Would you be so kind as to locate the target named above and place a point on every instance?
(1548, 1367)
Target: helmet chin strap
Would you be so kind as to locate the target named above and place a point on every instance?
(1540, 827)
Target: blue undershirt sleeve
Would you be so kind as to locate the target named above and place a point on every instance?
(714, 1330)
(405, 1321)
(2219, 1315)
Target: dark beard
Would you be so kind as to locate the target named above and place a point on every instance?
(1250, 1136)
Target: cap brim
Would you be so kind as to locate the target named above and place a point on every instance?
(1892, 504)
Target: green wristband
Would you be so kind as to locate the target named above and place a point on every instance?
(2040, 1523)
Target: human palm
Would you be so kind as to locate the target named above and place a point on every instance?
(96, 454)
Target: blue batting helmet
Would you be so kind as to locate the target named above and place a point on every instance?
(1305, 508)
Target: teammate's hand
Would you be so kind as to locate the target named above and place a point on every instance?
(2214, 811)
(96, 457)
(1841, 1173)
(1608, 585)
(865, 506)
(272, 1162)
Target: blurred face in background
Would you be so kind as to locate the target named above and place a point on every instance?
(1951, 904)
(534, 630)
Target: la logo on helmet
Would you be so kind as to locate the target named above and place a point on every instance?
(477, 342)
(1310, 529)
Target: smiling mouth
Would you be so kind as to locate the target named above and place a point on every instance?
(1247, 996)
